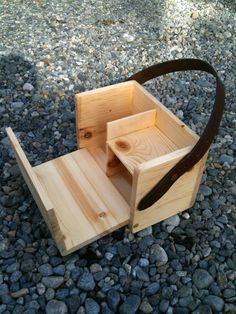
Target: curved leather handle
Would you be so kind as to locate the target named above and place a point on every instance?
(203, 144)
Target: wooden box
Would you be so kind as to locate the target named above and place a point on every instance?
(127, 141)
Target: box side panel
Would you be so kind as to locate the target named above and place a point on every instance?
(95, 108)
(178, 132)
(39, 194)
(179, 197)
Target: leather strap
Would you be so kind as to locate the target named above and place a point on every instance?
(203, 144)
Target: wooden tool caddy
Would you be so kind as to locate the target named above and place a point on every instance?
(128, 143)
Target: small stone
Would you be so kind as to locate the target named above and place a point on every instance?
(129, 38)
(59, 270)
(171, 223)
(203, 309)
(146, 307)
(195, 15)
(40, 288)
(91, 306)
(143, 262)
(206, 251)
(27, 265)
(158, 255)
(45, 270)
(16, 276)
(163, 306)
(17, 105)
(86, 282)
(142, 275)
(50, 293)
(73, 303)
(205, 190)
(113, 299)
(153, 288)
(94, 268)
(52, 281)
(3, 308)
(186, 215)
(131, 305)
(215, 302)
(229, 293)
(20, 293)
(28, 87)
(145, 232)
(202, 279)
(226, 159)
(227, 34)
(109, 256)
(56, 307)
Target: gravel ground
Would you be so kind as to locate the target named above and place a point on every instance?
(49, 50)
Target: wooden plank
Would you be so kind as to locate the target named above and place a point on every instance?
(131, 124)
(179, 197)
(138, 147)
(87, 204)
(39, 194)
(28, 173)
(95, 108)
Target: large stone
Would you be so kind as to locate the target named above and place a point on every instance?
(86, 282)
(215, 302)
(158, 255)
(52, 281)
(113, 299)
(56, 307)
(202, 279)
(91, 306)
(130, 305)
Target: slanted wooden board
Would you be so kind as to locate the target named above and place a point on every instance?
(77, 200)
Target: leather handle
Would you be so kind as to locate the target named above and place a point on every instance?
(204, 142)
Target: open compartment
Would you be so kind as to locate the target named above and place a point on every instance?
(127, 141)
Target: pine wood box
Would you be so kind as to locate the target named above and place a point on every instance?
(127, 141)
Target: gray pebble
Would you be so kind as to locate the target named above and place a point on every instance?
(158, 255)
(91, 306)
(113, 299)
(202, 279)
(215, 302)
(56, 307)
(28, 87)
(45, 270)
(86, 282)
(52, 281)
(205, 190)
(130, 305)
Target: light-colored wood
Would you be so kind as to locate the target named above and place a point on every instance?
(40, 196)
(129, 141)
(137, 147)
(179, 197)
(167, 122)
(87, 204)
(131, 124)
(95, 108)
(122, 180)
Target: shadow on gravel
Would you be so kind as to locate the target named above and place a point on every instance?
(15, 71)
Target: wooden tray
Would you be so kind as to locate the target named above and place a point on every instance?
(126, 141)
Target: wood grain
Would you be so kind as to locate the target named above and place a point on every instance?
(87, 204)
(95, 108)
(178, 198)
(143, 145)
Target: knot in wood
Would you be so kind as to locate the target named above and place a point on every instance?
(122, 145)
(88, 135)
